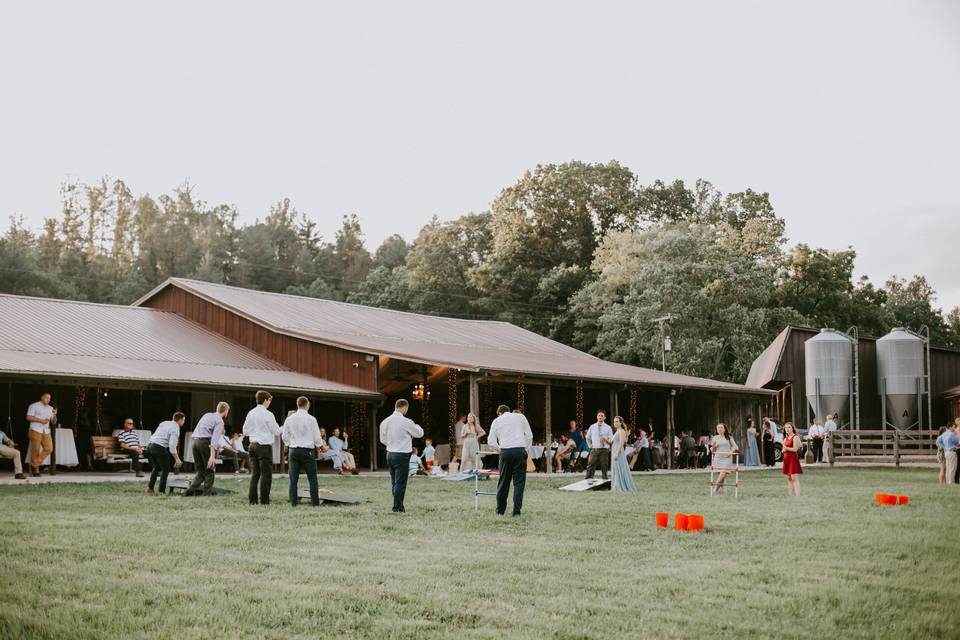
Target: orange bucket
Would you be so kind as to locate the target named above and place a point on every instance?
(695, 522)
(889, 499)
(903, 499)
(881, 498)
(663, 519)
(680, 521)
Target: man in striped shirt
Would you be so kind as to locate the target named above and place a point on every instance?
(163, 445)
(130, 445)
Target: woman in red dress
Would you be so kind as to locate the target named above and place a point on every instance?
(791, 459)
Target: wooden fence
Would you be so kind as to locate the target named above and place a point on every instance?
(891, 445)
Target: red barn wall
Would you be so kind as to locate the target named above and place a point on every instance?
(322, 361)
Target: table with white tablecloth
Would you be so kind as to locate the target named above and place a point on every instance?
(64, 448)
(536, 451)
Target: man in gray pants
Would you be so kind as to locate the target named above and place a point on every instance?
(209, 429)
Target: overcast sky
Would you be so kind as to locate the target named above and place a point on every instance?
(847, 113)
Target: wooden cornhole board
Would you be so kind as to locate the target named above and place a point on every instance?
(332, 498)
(183, 485)
(594, 484)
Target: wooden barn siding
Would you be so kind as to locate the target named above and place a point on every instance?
(330, 363)
(944, 369)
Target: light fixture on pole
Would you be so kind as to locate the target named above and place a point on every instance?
(665, 344)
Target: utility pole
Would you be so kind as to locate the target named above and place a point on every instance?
(664, 338)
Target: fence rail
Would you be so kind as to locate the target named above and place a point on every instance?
(892, 445)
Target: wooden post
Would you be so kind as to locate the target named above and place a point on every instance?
(670, 427)
(548, 430)
(374, 435)
(613, 404)
(474, 395)
(831, 456)
(896, 447)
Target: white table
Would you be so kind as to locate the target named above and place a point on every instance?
(65, 448)
(536, 451)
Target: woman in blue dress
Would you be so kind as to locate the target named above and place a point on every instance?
(751, 453)
(622, 480)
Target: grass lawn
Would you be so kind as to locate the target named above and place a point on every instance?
(107, 561)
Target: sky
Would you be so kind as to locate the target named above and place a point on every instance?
(847, 113)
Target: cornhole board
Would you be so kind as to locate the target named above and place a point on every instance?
(594, 484)
(332, 498)
(183, 485)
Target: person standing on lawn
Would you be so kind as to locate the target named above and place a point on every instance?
(816, 434)
(949, 441)
(160, 449)
(510, 434)
(599, 437)
(208, 430)
(829, 426)
(791, 458)
(8, 450)
(40, 415)
(397, 432)
(261, 427)
(301, 434)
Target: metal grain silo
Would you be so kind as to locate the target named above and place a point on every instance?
(900, 376)
(829, 372)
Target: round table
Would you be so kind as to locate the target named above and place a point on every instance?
(64, 447)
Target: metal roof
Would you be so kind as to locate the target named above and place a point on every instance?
(60, 338)
(474, 345)
(764, 368)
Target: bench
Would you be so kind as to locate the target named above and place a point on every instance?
(107, 449)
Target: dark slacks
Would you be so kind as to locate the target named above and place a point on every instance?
(399, 464)
(235, 457)
(304, 458)
(134, 458)
(646, 464)
(162, 463)
(601, 455)
(818, 449)
(261, 467)
(513, 468)
(203, 481)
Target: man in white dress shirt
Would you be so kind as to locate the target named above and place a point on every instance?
(599, 437)
(510, 434)
(40, 415)
(816, 434)
(301, 434)
(261, 427)
(397, 432)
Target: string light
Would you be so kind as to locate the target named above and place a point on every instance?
(633, 407)
(79, 402)
(521, 397)
(487, 403)
(424, 401)
(452, 403)
(99, 410)
(580, 404)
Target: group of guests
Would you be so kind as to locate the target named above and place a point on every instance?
(948, 444)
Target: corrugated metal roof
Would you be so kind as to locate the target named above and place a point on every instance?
(476, 345)
(764, 368)
(63, 338)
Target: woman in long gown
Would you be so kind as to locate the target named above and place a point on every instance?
(751, 454)
(472, 432)
(791, 459)
(622, 480)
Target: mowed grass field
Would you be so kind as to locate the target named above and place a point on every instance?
(107, 561)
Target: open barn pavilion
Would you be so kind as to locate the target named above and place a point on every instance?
(187, 344)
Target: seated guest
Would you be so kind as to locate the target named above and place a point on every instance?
(130, 445)
(339, 446)
(236, 441)
(324, 452)
(642, 453)
(232, 448)
(416, 465)
(8, 450)
(565, 451)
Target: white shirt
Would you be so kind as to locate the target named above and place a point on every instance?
(397, 432)
(261, 426)
(166, 435)
(775, 430)
(300, 430)
(830, 425)
(509, 431)
(42, 412)
(815, 431)
(594, 434)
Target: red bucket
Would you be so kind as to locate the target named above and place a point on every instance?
(695, 522)
(903, 499)
(680, 521)
(663, 519)
(889, 499)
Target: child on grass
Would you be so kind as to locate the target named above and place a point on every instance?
(429, 454)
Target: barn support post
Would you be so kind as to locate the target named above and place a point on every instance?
(547, 430)
(671, 453)
(474, 395)
(374, 436)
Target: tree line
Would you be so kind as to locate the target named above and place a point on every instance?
(579, 252)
